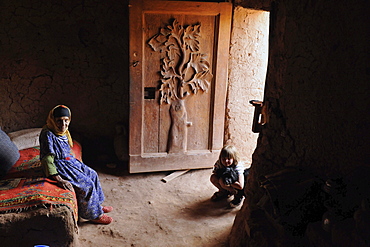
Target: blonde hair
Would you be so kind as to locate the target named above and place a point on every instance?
(229, 151)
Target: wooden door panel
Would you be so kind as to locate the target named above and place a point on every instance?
(195, 57)
(199, 115)
(165, 126)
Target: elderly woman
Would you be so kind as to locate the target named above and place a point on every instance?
(60, 164)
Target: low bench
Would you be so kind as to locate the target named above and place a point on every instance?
(33, 209)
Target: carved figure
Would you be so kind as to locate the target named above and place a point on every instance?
(184, 71)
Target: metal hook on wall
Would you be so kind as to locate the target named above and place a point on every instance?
(259, 117)
(135, 63)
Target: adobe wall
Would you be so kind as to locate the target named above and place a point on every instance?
(71, 52)
(247, 75)
(317, 96)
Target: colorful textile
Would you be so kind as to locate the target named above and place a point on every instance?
(61, 111)
(24, 187)
(28, 165)
(9, 183)
(84, 179)
(36, 192)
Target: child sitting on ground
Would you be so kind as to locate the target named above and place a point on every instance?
(228, 176)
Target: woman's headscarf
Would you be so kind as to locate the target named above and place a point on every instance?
(59, 111)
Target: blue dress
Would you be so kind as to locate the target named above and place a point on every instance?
(84, 179)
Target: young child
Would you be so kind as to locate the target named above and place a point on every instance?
(228, 177)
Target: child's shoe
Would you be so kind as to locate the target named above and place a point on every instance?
(236, 201)
(219, 195)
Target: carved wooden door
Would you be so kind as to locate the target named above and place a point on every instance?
(178, 76)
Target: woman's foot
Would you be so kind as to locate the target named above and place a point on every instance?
(103, 219)
(219, 195)
(107, 209)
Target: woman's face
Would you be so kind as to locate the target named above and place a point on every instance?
(62, 123)
(227, 161)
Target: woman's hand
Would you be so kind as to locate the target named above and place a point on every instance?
(63, 183)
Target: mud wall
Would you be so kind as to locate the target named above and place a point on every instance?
(316, 94)
(247, 75)
(64, 52)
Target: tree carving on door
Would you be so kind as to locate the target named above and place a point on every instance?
(184, 71)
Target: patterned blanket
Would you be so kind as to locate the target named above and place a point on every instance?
(31, 193)
(27, 166)
(24, 187)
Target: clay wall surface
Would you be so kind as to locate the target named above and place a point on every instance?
(317, 87)
(247, 74)
(64, 52)
(317, 96)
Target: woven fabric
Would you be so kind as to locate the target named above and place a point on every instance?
(25, 187)
(36, 192)
(8, 184)
(29, 165)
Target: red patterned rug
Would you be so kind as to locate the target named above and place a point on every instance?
(28, 164)
(24, 186)
(35, 192)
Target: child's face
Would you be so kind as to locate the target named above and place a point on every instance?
(227, 161)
